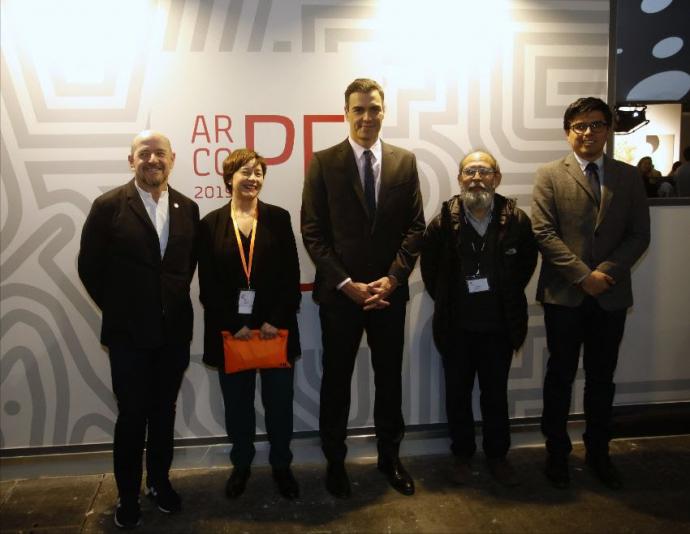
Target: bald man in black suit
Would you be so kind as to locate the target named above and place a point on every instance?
(136, 260)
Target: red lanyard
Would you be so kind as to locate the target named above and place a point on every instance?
(247, 267)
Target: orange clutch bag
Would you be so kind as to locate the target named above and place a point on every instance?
(255, 353)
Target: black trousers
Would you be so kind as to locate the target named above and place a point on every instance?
(146, 383)
(342, 325)
(486, 356)
(567, 330)
(240, 415)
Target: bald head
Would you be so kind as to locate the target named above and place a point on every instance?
(151, 158)
(480, 156)
(149, 134)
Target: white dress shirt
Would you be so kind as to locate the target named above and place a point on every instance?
(159, 213)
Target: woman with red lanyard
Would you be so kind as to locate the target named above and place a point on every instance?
(249, 280)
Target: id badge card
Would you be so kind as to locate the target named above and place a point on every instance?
(245, 301)
(477, 284)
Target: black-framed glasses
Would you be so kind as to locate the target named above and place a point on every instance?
(484, 172)
(594, 126)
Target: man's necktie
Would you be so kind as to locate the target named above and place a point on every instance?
(369, 187)
(592, 172)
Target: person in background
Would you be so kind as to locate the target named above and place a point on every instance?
(667, 186)
(478, 255)
(249, 279)
(682, 176)
(136, 260)
(650, 176)
(674, 167)
(591, 220)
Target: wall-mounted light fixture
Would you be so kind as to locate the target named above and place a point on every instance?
(629, 118)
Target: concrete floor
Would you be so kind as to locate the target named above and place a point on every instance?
(656, 497)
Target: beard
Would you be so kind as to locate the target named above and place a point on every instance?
(151, 178)
(477, 200)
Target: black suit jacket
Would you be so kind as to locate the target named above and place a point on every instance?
(275, 277)
(337, 232)
(144, 298)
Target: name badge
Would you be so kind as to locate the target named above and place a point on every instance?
(245, 302)
(477, 285)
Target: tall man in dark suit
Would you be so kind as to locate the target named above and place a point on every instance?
(591, 221)
(362, 224)
(136, 260)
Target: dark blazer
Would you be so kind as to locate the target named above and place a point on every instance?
(441, 269)
(144, 298)
(275, 277)
(337, 232)
(575, 236)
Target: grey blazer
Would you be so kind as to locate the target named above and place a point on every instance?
(575, 236)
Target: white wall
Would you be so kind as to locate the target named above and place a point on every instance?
(653, 364)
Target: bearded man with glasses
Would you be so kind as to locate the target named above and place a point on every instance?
(591, 220)
(477, 258)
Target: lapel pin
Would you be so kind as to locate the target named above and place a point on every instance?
(176, 205)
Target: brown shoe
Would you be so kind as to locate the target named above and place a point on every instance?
(461, 471)
(503, 472)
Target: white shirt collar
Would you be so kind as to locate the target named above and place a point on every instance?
(359, 150)
(583, 162)
(146, 196)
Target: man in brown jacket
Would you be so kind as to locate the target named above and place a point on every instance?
(591, 221)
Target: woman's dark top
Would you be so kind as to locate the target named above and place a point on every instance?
(275, 278)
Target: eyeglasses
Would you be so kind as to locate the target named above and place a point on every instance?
(484, 172)
(594, 126)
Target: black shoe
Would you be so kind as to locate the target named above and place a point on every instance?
(604, 470)
(165, 497)
(503, 472)
(398, 478)
(556, 471)
(237, 482)
(127, 513)
(287, 485)
(337, 481)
